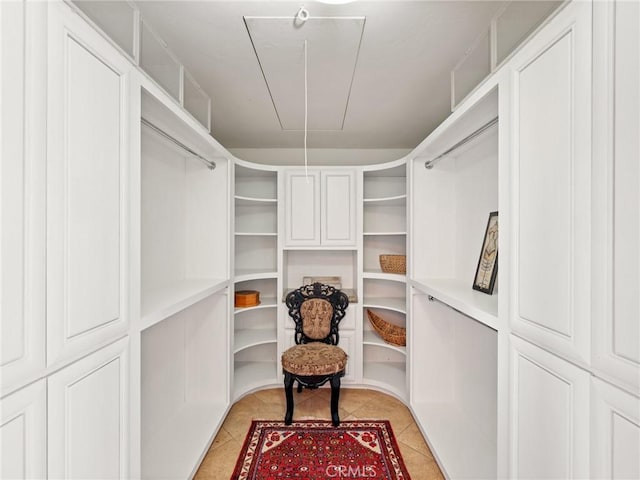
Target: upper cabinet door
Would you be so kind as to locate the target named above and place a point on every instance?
(22, 190)
(320, 208)
(616, 187)
(338, 225)
(551, 155)
(86, 187)
(302, 208)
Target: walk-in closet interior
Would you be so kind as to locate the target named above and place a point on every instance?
(467, 172)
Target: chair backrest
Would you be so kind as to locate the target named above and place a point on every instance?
(317, 310)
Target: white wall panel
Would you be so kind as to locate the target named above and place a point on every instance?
(549, 415)
(615, 444)
(22, 190)
(552, 156)
(86, 224)
(88, 416)
(616, 232)
(23, 433)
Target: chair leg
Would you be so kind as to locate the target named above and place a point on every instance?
(335, 396)
(288, 391)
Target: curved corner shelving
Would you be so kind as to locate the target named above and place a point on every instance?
(243, 201)
(388, 303)
(392, 201)
(369, 337)
(249, 338)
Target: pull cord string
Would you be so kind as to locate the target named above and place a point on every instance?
(306, 100)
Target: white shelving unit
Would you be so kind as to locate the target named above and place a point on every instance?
(454, 330)
(384, 229)
(255, 337)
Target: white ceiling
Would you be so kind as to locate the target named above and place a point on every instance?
(400, 85)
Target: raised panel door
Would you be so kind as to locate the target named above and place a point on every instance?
(23, 433)
(88, 416)
(615, 444)
(616, 185)
(22, 191)
(302, 208)
(549, 415)
(552, 174)
(86, 188)
(338, 225)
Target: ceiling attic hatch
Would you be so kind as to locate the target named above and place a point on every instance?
(333, 46)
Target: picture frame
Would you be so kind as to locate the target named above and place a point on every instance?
(487, 269)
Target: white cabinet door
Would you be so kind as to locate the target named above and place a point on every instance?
(338, 225)
(615, 434)
(549, 417)
(302, 208)
(23, 433)
(616, 185)
(551, 162)
(86, 187)
(320, 208)
(22, 190)
(88, 416)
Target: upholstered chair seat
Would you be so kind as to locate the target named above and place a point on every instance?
(315, 359)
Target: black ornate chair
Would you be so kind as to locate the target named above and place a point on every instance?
(315, 359)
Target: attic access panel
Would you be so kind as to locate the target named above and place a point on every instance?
(333, 46)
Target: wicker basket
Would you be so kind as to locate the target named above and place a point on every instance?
(389, 332)
(393, 263)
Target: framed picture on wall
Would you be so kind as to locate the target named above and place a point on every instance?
(487, 269)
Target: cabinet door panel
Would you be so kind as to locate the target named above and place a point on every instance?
(616, 184)
(23, 433)
(549, 415)
(302, 208)
(86, 301)
(338, 224)
(22, 214)
(552, 165)
(88, 416)
(615, 432)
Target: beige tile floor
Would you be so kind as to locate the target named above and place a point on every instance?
(311, 404)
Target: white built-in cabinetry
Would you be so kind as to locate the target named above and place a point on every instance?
(255, 329)
(320, 208)
(384, 231)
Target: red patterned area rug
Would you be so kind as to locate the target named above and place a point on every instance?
(316, 450)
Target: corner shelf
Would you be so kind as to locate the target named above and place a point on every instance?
(369, 337)
(380, 275)
(388, 303)
(244, 274)
(386, 375)
(248, 338)
(393, 201)
(242, 201)
(268, 302)
(253, 374)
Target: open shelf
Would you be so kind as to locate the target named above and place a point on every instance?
(163, 302)
(248, 338)
(183, 399)
(459, 295)
(378, 274)
(388, 303)
(370, 337)
(387, 375)
(246, 274)
(250, 375)
(265, 302)
(177, 450)
(253, 202)
(394, 201)
(455, 387)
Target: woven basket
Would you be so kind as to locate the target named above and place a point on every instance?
(389, 332)
(393, 263)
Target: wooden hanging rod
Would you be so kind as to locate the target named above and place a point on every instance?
(211, 165)
(430, 163)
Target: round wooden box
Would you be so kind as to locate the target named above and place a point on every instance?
(247, 298)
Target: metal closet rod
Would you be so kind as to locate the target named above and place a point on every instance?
(430, 163)
(209, 163)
